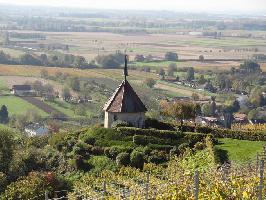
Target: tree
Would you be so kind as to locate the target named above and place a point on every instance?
(139, 58)
(202, 80)
(180, 110)
(80, 62)
(44, 59)
(253, 114)
(3, 115)
(6, 149)
(150, 82)
(161, 72)
(66, 94)
(190, 74)
(74, 84)
(28, 59)
(201, 58)
(171, 69)
(206, 109)
(213, 106)
(171, 56)
(44, 73)
(250, 66)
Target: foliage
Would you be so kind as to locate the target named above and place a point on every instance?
(123, 159)
(6, 149)
(3, 114)
(171, 56)
(137, 159)
(150, 82)
(32, 186)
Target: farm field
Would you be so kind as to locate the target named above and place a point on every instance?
(17, 106)
(91, 44)
(34, 71)
(241, 150)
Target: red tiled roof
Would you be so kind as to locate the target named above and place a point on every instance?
(125, 100)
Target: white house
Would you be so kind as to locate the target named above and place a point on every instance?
(36, 129)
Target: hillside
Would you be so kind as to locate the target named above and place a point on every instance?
(80, 162)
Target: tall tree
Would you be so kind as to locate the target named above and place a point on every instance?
(190, 74)
(3, 114)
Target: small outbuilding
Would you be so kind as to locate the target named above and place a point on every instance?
(36, 129)
(22, 90)
(125, 105)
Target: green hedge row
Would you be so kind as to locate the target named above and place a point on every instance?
(164, 134)
(228, 133)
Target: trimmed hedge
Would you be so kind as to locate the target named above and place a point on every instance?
(127, 131)
(227, 133)
(240, 135)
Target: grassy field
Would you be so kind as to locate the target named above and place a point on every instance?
(18, 106)
(34, 71)
(241, 150)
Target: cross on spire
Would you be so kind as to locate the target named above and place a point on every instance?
(125, 68)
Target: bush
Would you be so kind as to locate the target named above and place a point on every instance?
(182, 147)
(193, 138)
(157, 157)
(32, 186)
(199, 146)
(123, 159)
(80, 164)
(174, 152)
(80, 149)
(159, 147)
(137, 159)
(3, 182)
(114, 151)
(154, 123)
(88, 139)
(120, 123)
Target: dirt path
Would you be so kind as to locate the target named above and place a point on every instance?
(43, 106)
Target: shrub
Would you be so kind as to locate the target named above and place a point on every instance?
(80, 149)
(97, 151)
(159, 147)
(182, 147)
(154, 123)
(199, 146)
(33, 185)
(114, 151)
(3, 181)
(100, 163)
(80, 164)
(193, 138)
(123, 159)
(174, 152)
(157, 157)
(119, 123)
(88, 139)
(137, 159)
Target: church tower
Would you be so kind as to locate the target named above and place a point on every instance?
(125, 105)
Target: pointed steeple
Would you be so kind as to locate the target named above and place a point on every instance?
(125, 67)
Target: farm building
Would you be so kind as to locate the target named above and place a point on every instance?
(36, 129)
(125, 105)
(22, 90)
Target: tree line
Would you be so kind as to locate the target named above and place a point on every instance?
(63, 60)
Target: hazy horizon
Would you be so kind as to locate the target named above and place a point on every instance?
(225, 6)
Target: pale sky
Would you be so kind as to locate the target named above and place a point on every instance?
(249, 6)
